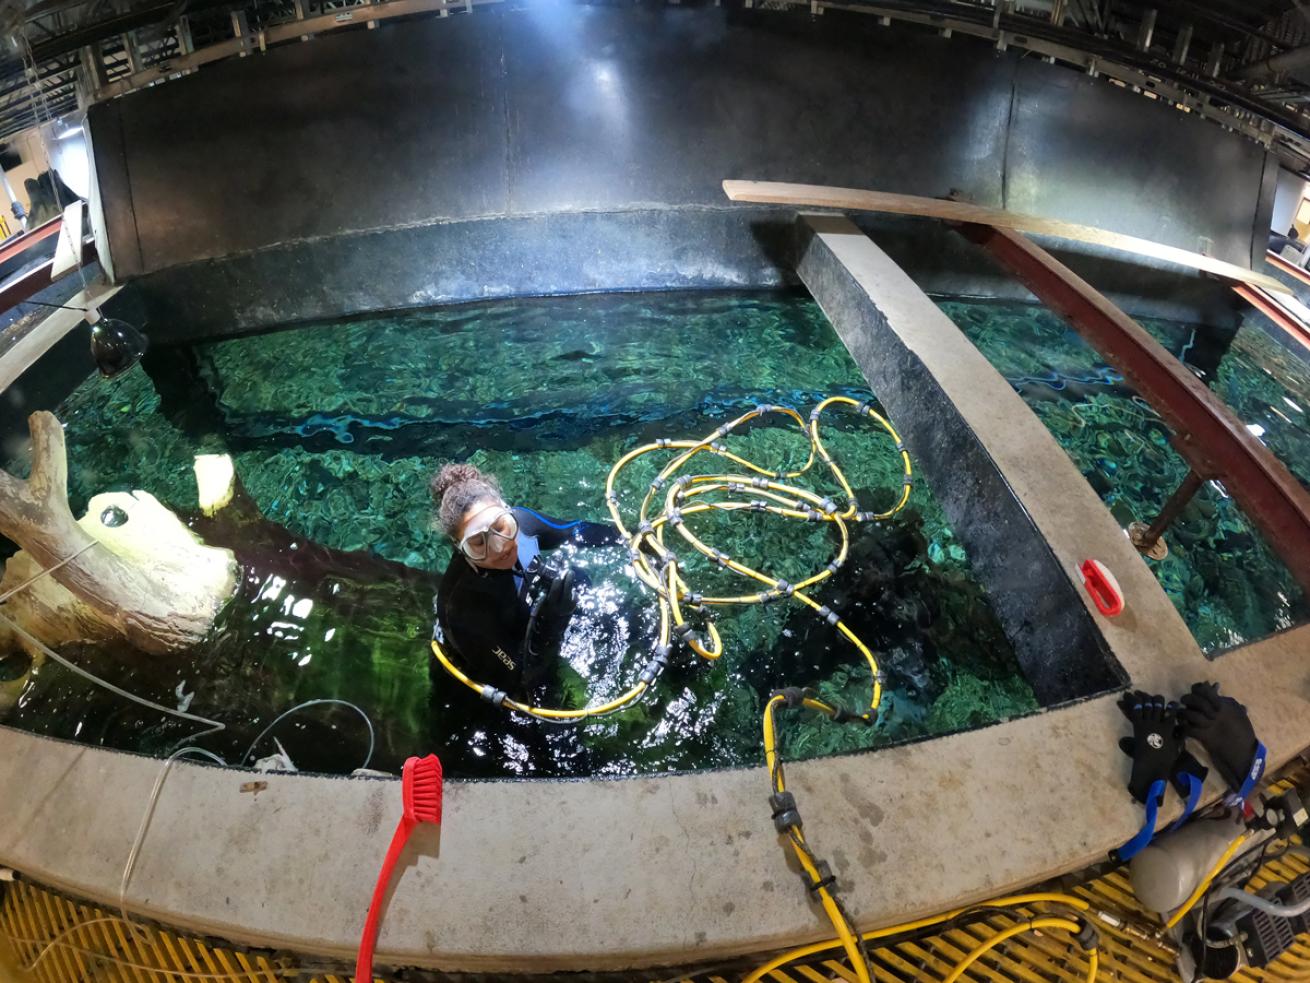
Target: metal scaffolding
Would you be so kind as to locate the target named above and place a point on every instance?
(1244, 64)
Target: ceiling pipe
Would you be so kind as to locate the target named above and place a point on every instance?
(1288, 61)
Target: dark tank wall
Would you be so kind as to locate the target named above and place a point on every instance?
(566, 148)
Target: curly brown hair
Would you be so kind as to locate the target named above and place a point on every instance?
(456, 487)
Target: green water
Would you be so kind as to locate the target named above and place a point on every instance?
(335, 429)
(1222, 576)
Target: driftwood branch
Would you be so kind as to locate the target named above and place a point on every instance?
(149, 580)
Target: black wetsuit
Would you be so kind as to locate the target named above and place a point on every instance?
(483, 616)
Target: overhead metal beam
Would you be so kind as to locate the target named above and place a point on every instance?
(28, 118)
(1206, 434)
(1288, 61)
(1182, 42)
(278, 34)
(1146, 30)
(1222, 102)
(119, 24)
(1214, 61)
(1233, 105)
(1232, 21)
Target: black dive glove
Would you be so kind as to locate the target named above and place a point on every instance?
(1221, 726)
(552, 612)
(1159, 757)
(1156, 744)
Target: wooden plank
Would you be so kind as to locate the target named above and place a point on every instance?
(1276, 312)
(855, 200)
(1289, 268)
(1206, 433)
(70, 236)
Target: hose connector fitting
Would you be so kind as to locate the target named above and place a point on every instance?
(1089, 938)
(827, 879)
(785, 814)
(658, 661)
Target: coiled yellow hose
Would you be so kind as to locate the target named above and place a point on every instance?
(687, 494)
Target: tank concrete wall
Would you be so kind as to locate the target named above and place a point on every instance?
(377, 169)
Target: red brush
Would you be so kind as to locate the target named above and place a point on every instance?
(420, 786)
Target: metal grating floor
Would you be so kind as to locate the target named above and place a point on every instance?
(95, 945)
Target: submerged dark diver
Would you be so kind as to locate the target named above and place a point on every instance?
(503, 606)
(887, 598)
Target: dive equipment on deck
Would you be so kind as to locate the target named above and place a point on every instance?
(1167, 871)
(1221, 725)
(1159, 760)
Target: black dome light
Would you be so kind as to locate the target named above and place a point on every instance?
(116, 345)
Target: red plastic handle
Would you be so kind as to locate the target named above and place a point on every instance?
(1103, 588)
(364, 963)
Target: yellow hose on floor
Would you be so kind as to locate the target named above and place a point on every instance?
(821, 883)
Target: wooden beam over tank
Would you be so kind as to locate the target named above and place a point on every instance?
(1206, 433)
(852, 199)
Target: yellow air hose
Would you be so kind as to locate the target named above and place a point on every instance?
(820, 881)
(1204, 886)
(760, 489)
(685, 494)
(1035, 923)
(1072, 927)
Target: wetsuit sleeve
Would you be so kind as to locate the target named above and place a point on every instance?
(552, 533)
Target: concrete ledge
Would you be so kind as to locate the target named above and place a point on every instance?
(607, 874)
(892, 330)
(30, 344)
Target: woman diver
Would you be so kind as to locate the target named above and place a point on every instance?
(501, 608)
